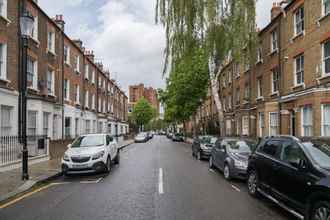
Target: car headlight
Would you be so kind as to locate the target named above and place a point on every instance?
(66, 157)
(240, 164)
(98, 155)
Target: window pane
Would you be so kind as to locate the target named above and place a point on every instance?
(326, 120)
(5, 120)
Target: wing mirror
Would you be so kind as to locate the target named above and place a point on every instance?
(69, 146)
(301, 164)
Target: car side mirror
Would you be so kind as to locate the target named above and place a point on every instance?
(300, 164)
(69, 146)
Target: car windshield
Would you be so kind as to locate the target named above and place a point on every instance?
(320, 152)
(240, 146)
(206, 139)
(142, 135)
(88, 141)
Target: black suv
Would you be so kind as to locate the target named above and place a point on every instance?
(294, 173)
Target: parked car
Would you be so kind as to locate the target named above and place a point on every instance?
(178, 137)
(202, 146)
(169, 135)
(91, 153)
(141, 138)
(230, 155)
(294, 173)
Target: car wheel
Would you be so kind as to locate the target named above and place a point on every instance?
(108, 165)
(321, 211)
(199, 156)
(211, 165)
(226, 172)
(117, 159)
(252, 183)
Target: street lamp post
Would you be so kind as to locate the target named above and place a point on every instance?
(26, 26)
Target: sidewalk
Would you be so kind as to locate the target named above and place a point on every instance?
(11, 182)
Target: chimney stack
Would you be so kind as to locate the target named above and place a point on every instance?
(60, 21)
(90, 54)
(276, 10)
(78, 43)
(100, 65)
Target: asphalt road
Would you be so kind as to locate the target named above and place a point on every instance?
(156, 180)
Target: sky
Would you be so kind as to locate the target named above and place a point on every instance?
(123, 35)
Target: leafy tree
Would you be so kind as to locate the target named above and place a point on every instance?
(224, 28)
(143, 112)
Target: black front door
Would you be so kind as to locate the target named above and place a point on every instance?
(293, 123)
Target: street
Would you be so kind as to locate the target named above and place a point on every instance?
(156, 180)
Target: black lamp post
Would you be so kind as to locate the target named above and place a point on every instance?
(26, 26)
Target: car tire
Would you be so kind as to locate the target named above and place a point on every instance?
(117, 158)
(108, 165)
(226, 172)
(199, 155)
(252, 183)
(321, 210)
(211, 165)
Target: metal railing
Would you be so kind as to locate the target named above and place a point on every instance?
(11, 148)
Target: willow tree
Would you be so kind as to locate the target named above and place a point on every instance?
(223, 28)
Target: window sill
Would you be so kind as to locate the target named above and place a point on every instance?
(302, 85)
(237, 77)
(274, 93)
(8, 22)
(261, 98)
(259, 62)
(51, 52)
(67, 64)
(36, 41)
(5, 80)
(77, 72)
(323, 18)
(273, 52)
(297, 36)
(77, 103)
(52, 95)
(33, 89)
(324, 76)
(246, 71)
(67, 100)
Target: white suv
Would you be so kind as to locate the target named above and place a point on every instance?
(90, 153)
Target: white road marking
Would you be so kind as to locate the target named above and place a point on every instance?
(236, 188)
(160, 182)
(91, 181)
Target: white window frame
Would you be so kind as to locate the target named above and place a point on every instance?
(67, 89)
(270, 124)
(93, 102)
(323, 120)
(87, 71)
(29, 126)
(3, 61)
(87, 99)
(100, 82)
(259, 88)
(35, 32)
(93, 77)
(51, 41)
(324, 59)
(324, 12)
(77, 67)
(99, 105)
(104, 107)
(77, 98)
(297, 14)
(274, 41)
(35, 74)
(52, 86)
(259, 55)
(67, 58)
(301, 59)
(245, 125)
(275, 70)
(45, 123)
(4, 11)
(302, 120)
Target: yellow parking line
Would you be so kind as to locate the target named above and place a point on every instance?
(28, 194)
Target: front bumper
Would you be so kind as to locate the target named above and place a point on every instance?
(205, 154)
(140, 140)
(93, 166)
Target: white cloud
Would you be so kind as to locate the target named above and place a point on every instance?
(124, 35)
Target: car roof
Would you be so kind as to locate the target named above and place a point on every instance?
(87, 135)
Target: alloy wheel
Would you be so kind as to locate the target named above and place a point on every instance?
(252, 183)
(226, 172)
(322, 213)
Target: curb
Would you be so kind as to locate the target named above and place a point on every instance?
(125, 145)
(29, 184)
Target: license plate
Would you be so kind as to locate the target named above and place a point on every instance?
(80, 166)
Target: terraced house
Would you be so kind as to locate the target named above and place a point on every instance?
(68, 92)
(287, 89)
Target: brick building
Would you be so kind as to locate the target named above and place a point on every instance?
(281, 93)
(68, 92)
(136, 92)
